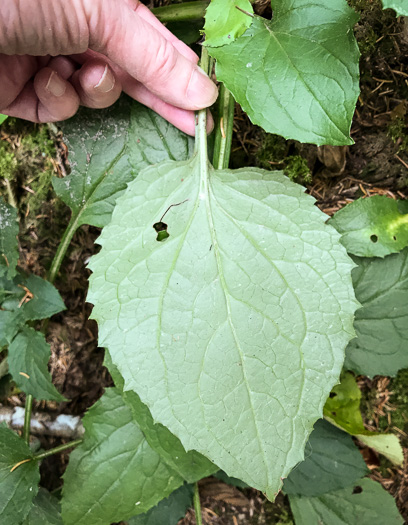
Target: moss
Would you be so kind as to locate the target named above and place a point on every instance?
(7, 161)
(272, 151)
(397, 131)
(297, 169)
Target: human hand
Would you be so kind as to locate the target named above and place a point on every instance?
(58, 54)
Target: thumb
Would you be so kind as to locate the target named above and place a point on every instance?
(126, 36)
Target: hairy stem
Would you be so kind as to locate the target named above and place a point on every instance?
(57, 450)
(197, 505)
(62, 248)
(181, 12)
(27, 418)
(224, 129)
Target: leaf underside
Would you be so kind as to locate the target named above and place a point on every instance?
(232, 330)
(297, 75)
(381, 286)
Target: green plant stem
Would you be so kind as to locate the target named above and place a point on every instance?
(62, 248)
(27, 418)
(181, 12)
(201, 119)
(197, 505)
(224, 129)
(57, 450)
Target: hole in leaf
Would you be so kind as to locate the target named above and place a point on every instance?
(332, 394)
(394, 238)
(161, 229)
(357, 490)
(373, 238)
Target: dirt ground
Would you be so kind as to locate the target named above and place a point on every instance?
(377, 164)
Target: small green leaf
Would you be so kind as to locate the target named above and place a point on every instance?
(8, 239)
(191, 466)
(251, 289)
(19, 487)
(372, 227)
(399, 6)
(224, 23)
(113, 474)
(2, 118)
(45, 510)
(10, 324)
(169, 511)
(342, 409)
(28, 358)
(332, 462)
(364, 503)
(381, 325)
(45, 302)
(297, 75)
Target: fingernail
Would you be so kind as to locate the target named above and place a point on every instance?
(56, 85)
(201, 91)
(106, 82)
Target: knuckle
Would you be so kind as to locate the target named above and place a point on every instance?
(161, 65)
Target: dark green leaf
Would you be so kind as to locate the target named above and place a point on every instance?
(381, 325)
(19, 487)
(8, 239)
(192, 466)
(364, 503)
(113, 474)
(297, 75)
(28, 358)
(332, 462)
(45, 510)
(99, 163)
(235, 482)
(224, 22)
(169, 511)
(372, 227)
(10, 324)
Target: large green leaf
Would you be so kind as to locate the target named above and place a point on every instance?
(332, 462)
(191, 466)
(297, 75)
(28, 358)
(342, 409)
(232, 330)
(365, 503)
(113, 474)
(399, 6)
(8, 239)
(373, 227)
(45, 510)
(169, 511)
(224, 22)
(381, 286)
(18, 486)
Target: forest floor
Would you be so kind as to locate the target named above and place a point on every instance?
(30, 155)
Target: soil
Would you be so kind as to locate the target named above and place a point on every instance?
(377, 164)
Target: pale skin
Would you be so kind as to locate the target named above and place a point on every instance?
(56, 55)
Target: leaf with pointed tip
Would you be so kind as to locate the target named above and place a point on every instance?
(231, 331)
(113, 474)
(400, 6)
(365, 503)
(332, 462)
(191, 465)
(297, 75)
(224, 22)
(8, 239)
(45, 510)
(28, 358)
(169, 511)
(381, 286)
(18, 486)
(373, 227)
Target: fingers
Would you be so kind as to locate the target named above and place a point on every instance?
(144, 52)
